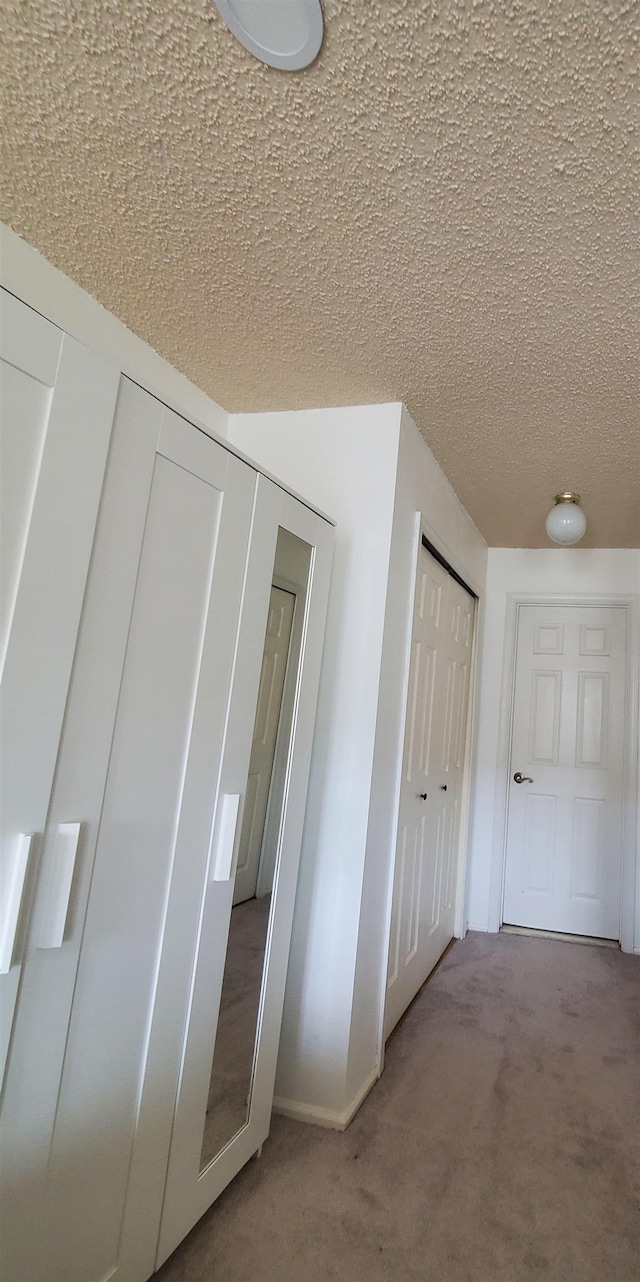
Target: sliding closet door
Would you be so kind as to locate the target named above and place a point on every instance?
(231, 985)
(147, 710)
(57, 402)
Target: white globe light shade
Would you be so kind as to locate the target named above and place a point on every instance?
(566, 522)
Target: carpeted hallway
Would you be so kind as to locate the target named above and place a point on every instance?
(502, 1141)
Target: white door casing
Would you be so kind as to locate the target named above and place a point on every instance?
(423, 904)
(564, 841)
(272, 677)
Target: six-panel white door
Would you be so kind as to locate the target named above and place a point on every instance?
(564, 831)
(423, 907)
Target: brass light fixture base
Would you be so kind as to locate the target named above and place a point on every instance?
(567, 496)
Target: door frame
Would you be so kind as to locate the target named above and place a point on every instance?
(423, 528)
(631, 604)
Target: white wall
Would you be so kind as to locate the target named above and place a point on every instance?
(344, 461)
(422, 491)
(571, 571)
(369, 468)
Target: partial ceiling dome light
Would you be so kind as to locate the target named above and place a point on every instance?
(286, 34)
(566, 522)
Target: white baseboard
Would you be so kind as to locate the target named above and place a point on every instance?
(328, 1117)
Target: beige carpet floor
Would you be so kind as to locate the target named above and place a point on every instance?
(501, 1143)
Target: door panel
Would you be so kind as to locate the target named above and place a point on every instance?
(545, 718)
(592, 719)
(135, 852)
(163, 599)
(564, 837)
(202, 909)
(46, 994)
(423, 908)
(540, 825)
(57, 407)
(587, 848)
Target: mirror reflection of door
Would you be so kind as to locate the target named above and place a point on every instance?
(272, 678)
(229, 1093)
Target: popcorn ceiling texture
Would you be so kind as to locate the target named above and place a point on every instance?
(442, 210)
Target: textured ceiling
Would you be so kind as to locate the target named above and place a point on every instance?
(442, 210)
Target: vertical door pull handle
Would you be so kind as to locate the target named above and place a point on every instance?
(443, 787)
(518, 778)
(223, 868)
(58, 892)
(423, 796)
(15, 884)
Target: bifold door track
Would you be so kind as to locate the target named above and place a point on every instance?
(437, 556)
(556, 934)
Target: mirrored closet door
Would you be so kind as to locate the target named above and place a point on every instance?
(231, 983)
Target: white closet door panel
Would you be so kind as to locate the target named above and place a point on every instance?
(57, 409)
(29, 355)
(30, 342)
(195, 849)
(135, 850)
(159, 800)
(190, 1189)
(46, 993)
(194, 451)
(175, 542)
(425, 877)
(25, 410)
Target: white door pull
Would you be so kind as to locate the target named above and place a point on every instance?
(13, 900)
(223, 865)
(61, 868)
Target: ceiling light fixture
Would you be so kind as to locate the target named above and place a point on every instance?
(566, 522)
(286, 34)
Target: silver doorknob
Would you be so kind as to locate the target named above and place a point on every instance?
(518, 778)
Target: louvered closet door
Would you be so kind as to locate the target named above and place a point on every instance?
(423, 906)
(57, 402)
(146, 712)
